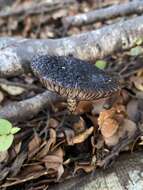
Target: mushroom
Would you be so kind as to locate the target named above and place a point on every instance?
(73, 78)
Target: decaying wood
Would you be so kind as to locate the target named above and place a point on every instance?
(16, 53)
(126, 173)
(26, 109)
(36, 8)
(135, 7)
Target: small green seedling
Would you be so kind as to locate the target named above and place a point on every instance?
(6, 134)
(101, 64)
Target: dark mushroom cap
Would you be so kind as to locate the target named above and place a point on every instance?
(73, 78)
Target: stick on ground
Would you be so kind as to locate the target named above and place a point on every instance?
(16, 53)
(135, 7)
(26, 109)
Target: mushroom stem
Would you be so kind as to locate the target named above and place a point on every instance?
(72, 104)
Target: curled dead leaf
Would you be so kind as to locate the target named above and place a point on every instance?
(47, 144)
(82, 136)
(105, 115)
(87, 167)
(126, 129)
(53, 123)
(109, 127)
(34, 145)
(109, 120)
(54, 162)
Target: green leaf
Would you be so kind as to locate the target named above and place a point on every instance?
(136, 51)
(15, 130)
(6, 142)
(101, 64)
(5, 127)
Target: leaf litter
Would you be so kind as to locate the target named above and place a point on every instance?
(51, 148)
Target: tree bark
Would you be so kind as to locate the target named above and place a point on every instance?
(26, 109)
(16, 53)
(135, 7)
(36, 8)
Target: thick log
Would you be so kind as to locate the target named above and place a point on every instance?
(16, 53)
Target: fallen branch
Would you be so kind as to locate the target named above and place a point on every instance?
(26, 109)
(29, 8)
(135, 7)
(22, 85)
(16, 53)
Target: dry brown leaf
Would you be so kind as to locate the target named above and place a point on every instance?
(109, 127)
(31, 169)
(53, 123)
(55, 162)
(3, 156)
(12, 90)
(13, 153)
(128, 128)
(109, 122)
(34, 143)
(82, 136)
(87, 167)
(17, 147)
(48, 144)
(105, 115)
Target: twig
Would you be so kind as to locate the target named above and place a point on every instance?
(135, 7)
(26, 109)
(36, 8)
(18, 84)
(16, 53)
(118, 148)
